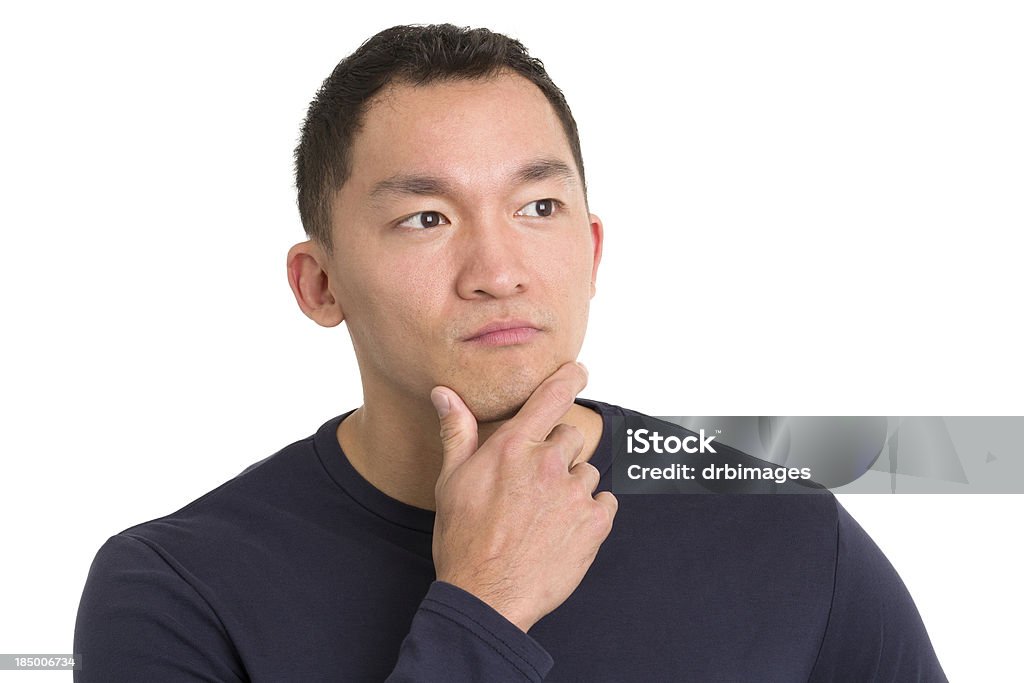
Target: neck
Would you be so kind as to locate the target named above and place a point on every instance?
(396, 445)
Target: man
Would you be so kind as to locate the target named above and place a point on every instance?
(442, 187)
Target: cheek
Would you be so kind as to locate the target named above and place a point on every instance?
(393, 301)
(562, 257)
(571, 274)
(566, 287)
(580, 289)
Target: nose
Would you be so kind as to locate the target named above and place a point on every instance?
(492, 263)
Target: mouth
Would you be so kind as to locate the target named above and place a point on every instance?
(504, 333)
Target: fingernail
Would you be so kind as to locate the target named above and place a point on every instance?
(584, 368)
(441, 403)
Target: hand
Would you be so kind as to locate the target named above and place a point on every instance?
(517, 523)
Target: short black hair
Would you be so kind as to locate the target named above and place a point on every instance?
(414, 54)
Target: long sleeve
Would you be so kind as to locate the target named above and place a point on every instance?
(874, 631)
(138, 620)
(456, 636)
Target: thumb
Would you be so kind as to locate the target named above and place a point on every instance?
(458, 428)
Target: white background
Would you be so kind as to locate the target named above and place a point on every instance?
(810, 210)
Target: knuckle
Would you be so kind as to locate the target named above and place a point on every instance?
(606, 513)
(559, 392)
(588, 475)
(551, 464)
(448, 434)
(575, 492)
(599, 521)
(574, 438)
(568, 438)
(508, 446)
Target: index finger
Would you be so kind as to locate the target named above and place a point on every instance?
(550, 401)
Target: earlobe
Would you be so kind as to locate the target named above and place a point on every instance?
(597, 235)
(310, 283)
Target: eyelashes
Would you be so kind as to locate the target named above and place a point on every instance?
(542, 208)
(424, 220)
(538, 208)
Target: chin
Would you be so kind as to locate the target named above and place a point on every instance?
(500, 397)
(495, 405)
(490, 410)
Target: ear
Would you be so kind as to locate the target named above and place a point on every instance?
(597, 234)
(310, 283)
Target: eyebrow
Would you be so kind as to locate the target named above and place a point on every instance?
(428, 185)
(544, 169)
(410, 184)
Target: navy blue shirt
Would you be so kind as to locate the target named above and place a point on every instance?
(298, 569)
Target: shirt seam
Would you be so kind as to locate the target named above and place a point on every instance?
(831, 603)
(156, 550)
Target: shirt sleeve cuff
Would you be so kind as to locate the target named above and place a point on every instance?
(475, 615)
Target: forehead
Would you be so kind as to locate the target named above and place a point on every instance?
(470, 130)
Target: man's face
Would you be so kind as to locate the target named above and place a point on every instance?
(464, 213)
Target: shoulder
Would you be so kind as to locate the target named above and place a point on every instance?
(870, 627)
(874, 631)
(214, 531)
(230, 505)
(169, 580)
(645, 454)
(783, 529)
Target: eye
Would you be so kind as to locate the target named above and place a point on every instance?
(541, 208)
(424, 219)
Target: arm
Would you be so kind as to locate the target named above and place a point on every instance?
(139, 620)
(455, 636)
(874, 631)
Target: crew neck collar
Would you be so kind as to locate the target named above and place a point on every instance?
(378, 503)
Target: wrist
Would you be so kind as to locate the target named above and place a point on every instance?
(498, 596)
